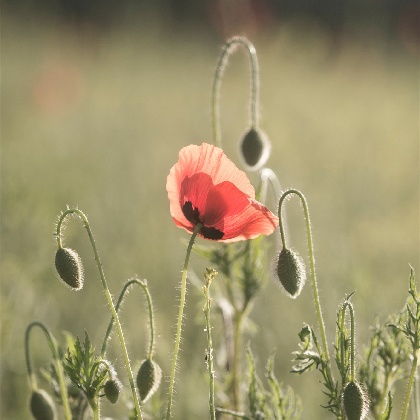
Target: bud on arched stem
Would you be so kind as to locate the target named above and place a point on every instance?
(180, 320)
(228, 49)
(144, 287)
(82, 217)
(57, 363)
(310, 246)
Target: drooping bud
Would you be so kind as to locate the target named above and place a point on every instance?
(291, 272)
(355, 401)
(69, 267)
(42, 405)
(148, 379)
(255, 149)
(112, 390)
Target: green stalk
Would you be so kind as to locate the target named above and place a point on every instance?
(410, 383)
(108, 297)
(143, 285)
(310, 245)
(57, 363)
(180, 320)
(207, 312)
(228, 48)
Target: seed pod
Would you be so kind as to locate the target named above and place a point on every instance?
(42, 405)
(291, 272)
(255, 148)
(148, 379)
(69, 267)
(112, 390)
(355, 401)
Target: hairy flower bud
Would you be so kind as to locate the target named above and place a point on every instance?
(291, 272)
(69, 267)
(112, 390)
(255, 149)
(42, 405)
(355, 401)
(148, 379)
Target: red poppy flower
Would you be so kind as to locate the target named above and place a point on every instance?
(205, 187)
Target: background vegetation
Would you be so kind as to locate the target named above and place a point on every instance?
(94, 115)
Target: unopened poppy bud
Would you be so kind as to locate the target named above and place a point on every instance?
(148, 379)
(112, 390)
(291, 272)
(42, 405)
(69, 267)
(255, 149)
(355, 401)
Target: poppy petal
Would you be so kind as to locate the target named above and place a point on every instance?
(223, 200)
(206, 159)
(251, 222)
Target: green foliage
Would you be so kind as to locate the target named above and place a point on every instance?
(86, 370)
(275, 401)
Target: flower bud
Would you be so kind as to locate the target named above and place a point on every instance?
(291, 272)
(112, 390)
(355, 401)
(148, 379)
(42, 405)
(255, 149)
(69, 267)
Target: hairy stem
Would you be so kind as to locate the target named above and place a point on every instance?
(410, 383)
(348, 305)
(228, 48)
(108, 297)
(207, 312)
(310, 245)
(57, 363)
(124, 291)
(180, 321)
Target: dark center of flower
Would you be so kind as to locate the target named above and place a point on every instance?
(193, 215)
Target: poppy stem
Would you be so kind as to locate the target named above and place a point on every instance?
(348, 305)
(209, 351)
(311, 262)
(52, 343)
(108, 297)
(180, 320)
(228, 49)
(124, 291)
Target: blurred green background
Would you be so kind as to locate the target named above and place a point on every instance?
(96, 103)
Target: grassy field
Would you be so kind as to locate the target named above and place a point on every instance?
(96, 118)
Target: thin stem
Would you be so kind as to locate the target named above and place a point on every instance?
(124, 291)
(311, 262)
(57, 363)
(237, 358)
(232, 413)
(228, 48)
(180, 320)
(348, 305)
(207, 312)
(108, 297)
(96, 410)
(407, 397)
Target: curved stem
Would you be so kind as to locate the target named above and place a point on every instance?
(311, 262)
(180, 320)
(348, 305)
(108, 297)
(57, 363)
(228, 48)
(124, 291)
(407, 396)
